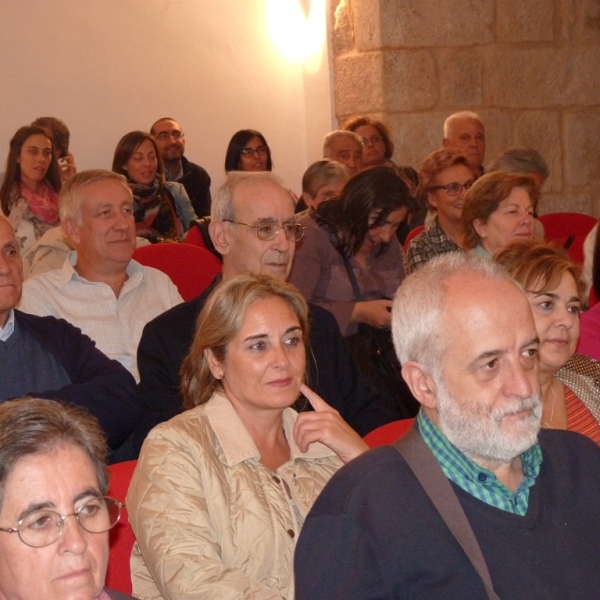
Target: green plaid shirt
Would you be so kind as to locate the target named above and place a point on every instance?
(475, 480)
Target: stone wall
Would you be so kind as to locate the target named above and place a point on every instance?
(530, 68)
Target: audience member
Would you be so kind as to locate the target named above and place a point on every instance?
(344, 147)
(100, 289)
(498, 208)
(324, 180)
(162, 209)
(248, 151)
(589, 340)
(464, 130)
(351, 263)
(521, 160)
(60, 135)
(444, 178)
(52, 467)
(28, 196)
(50, 358)
(570, 382)
(170, 140)
(256, 465)
(468, 345)
(253, 226)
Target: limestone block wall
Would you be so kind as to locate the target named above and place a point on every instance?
(530, 68)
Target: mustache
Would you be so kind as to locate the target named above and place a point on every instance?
(534, 403)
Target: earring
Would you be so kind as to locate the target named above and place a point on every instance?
(220, 374)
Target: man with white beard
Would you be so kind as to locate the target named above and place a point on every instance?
(526, 501)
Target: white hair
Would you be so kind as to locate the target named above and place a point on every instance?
(460, 116)
(334, 135)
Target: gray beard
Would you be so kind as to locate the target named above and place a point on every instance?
(479, 432)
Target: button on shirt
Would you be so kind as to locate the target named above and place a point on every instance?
(115, 324)
(475, 480)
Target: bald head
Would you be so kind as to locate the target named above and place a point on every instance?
(11, 270)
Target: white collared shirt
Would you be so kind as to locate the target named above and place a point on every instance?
(115, 324)
(9, 328)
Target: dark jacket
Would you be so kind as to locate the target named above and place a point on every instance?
(196, 182)
(118, 595)
(333, 375)
(101, 385)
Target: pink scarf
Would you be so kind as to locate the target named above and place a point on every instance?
(43, 203)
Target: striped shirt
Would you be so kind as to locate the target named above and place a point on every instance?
(579, 418)
(475, 480)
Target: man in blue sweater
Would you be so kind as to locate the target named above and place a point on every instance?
(466, 338)
(50, 358)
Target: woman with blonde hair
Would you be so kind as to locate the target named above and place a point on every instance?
(569, 381)
(221, 491)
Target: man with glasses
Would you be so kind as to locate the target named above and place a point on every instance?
(254, 228)
(170, 140)
(444, 178)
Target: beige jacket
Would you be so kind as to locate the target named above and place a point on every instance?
(211, 521)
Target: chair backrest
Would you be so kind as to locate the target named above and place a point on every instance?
(118, 574)
(567, 227)
(194, 237)
(190, 268)
(593, 298)
(413, 233)
(388, 434)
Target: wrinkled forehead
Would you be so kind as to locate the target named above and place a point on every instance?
(345, 143)
(105, 191)
(472, 126)
(166, 125)
(262, 200)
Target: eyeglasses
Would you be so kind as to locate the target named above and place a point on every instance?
(374, 139)
(43, 527)
(165, 135)
(269, 231)
(261, 151)
(454, 188)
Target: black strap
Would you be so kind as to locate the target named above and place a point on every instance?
(352, 277)
(429, 473)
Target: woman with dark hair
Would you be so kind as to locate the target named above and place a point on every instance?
(248, 151)
(497, 209)
(54, 511)
(570, 382)
(221, 491)
(162, 209)
(354, 238)
(29, 193)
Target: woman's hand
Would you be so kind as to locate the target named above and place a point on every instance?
(325, 425)
(373, 312)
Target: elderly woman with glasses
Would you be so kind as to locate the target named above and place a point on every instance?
(248, 151)
(444, 178)
(221, 491)
(54, 512)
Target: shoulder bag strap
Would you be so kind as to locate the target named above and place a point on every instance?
(351, 276)
(429, 473)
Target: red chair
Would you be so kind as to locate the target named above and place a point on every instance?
(190, 268)
(388, 434)
(593, 297)
(560, 227)
(118, 574)
(194, 237)
(413, 233)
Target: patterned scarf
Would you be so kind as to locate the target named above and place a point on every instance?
(43, 203)
(154, 212)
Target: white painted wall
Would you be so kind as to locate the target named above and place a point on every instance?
(107, 67)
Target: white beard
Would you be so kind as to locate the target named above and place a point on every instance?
(480, 432)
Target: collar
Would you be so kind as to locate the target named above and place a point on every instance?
(236, 442)
(9, 328)
(178, 175)
(135, 272)
(481, 251)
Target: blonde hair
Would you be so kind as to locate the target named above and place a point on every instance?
(220, 321)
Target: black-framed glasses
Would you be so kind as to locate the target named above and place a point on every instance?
(454, 188)
(44, 526)
(249, 152)
(165, 135)
(269, 231)
(374, 139)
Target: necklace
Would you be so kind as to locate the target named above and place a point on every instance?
(546, 424)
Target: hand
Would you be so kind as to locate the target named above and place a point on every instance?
(373, 312)
(67, 167)
(325, 425)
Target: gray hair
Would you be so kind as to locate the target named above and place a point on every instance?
(460, 116)
(322, 173)
(69, 199)
(31, 426)
(418, 327)
(334, 135)
(222, 206)
(519, 160)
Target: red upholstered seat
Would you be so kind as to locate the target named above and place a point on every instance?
(118, 575)
(559, 227)
(413, 233)
(190, 268)
(194, 237)
(388, 434)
